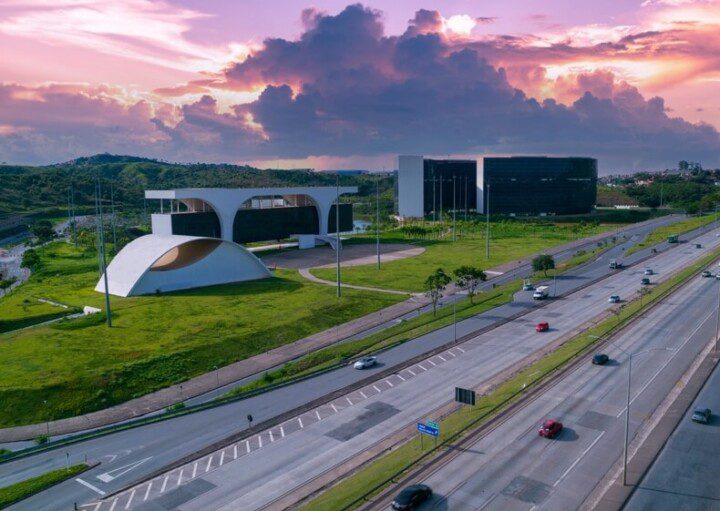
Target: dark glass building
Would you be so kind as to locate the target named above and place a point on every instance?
(443, 177)
(523, 185)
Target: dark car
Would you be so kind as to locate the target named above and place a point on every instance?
(707, 273)
(550, 428)
(600, 359)
(701, 415)
(645, 282)
(543, 326)
(412, 496)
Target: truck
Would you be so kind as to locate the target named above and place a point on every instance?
(541, 292)
(615, 265)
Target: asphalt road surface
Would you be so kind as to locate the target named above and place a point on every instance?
(129, 455)
(254, 473)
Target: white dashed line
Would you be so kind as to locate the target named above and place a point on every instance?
(318, 414)
(207, 468)
(433, 363)
(333, 407)
(348, 400)
(578, 460)
(442, 358)
(247, 446)
(458, 347)
(403, 379)
(300, 422)
(127, 506)
(422, 367)
(112, 506)
(222, 458)
(235, 452)
(162, 490)
(97, 506)
(282, 432)
(147, 492)
(389, 383)
(180, 477)
(272, 438)
(451, 353)
(411, 372)
(259, 441)
(376, 388)
(194, 469)
(363, 394)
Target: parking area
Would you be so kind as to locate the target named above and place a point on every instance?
(352, 255)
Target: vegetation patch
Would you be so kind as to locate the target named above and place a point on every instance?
(81, 365)
(349, 493)
(661, 233)
(24, 489)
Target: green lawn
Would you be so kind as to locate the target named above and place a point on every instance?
(24, 489)
(510, 241)
(661, 233)
(81, 365)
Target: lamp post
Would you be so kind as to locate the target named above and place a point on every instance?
(217, 378)
(487, 224)
(337, 233)
(627, 403)
(454, 323)
(454, 208)
(377, 220)
(717, 324)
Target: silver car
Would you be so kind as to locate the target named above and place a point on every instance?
(365, 362)
(701, 415)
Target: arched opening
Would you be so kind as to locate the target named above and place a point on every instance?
(195, 217)
(185, 254)
(275, 217)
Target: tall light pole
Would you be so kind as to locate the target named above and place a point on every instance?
(466, 199)
(487, 224)
(554, 281)
(377, 219)
(434, 201)
(103, 263)
(717, 324)
(454, 323)
(454, 208)
(337, 232)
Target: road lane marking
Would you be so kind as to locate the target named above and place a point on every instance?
(422, 367)
(180, 476)
(300, 422)
(194, 469)
(162, 489)
(442, 358)
(458, 347)
(363, 394)
(272, 438)
(247, 446)
(333, 407)
(348, 400)
(451, 353)
(403, 379)
(411, 372)
(433, 363)
(114, 502)
(207, 468)
(282, 432)
(235, 452)
(222, 458)
(88, 485)
(117, 472)
(147, 492)
(318, 414)
(259, 441)
(97, 506)
(127, 505)
(389, 382)
(579, 458)
(376, 388)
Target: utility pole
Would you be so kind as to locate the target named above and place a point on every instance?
(454, 208)
(434, 203)
(441, 197)
(717, 324)
(102, 256)
(74, 220)
(627, 422)
(661, 193)
(487, 224)
(69, 211)
(466, 199)
(377, 219)
(112, 211)
(337, 232)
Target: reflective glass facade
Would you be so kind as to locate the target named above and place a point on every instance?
(539, 185)
(438, 177)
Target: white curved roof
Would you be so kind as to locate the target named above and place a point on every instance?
(132, 263)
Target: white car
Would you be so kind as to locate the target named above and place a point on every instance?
(365, 362)
(648, 271)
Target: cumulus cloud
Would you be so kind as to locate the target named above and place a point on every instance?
(346, 89)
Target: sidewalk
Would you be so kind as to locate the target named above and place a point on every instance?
(248, 367)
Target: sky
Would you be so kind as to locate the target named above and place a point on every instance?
(331, 84)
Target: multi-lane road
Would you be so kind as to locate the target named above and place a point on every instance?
(130, 455)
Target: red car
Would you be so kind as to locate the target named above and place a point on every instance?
(550, 428)
(542, 327)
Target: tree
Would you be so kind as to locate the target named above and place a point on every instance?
(643, 291)
(435, 285)
(543, 263)
(469, 278)
(43, 230)
(31, 260)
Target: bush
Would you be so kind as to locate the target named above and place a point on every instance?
(31, 260)
(41, 439)
(176, 407)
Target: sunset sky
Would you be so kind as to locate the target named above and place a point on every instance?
(329, 84)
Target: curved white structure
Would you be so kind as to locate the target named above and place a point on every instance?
(157, 263)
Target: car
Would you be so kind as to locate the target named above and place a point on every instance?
(600, 359)
(648, 271)
(707, 273)
(550, 428)
(614, 299)
(411, 497)
(528, 287)
(645, 282)
(543, 326)
(698, 245)
(365, 362)
(701, 415)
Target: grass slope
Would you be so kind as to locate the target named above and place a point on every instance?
(661, 233)
(81, 365)
(510, 241)
(24, 489)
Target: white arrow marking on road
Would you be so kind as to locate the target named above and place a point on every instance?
(108, 476)
(93, 488)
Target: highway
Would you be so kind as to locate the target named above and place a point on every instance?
(130, 455)
(685, 474)
(307, 446)
(513, 468)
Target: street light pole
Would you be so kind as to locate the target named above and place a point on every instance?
(554, 282)
(487, 224)
(454, 323)
(337, 232)
(717, 324)
(377, 220)
(627, 422)
(454, 208)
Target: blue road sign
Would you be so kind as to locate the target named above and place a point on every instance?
(428, 430)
